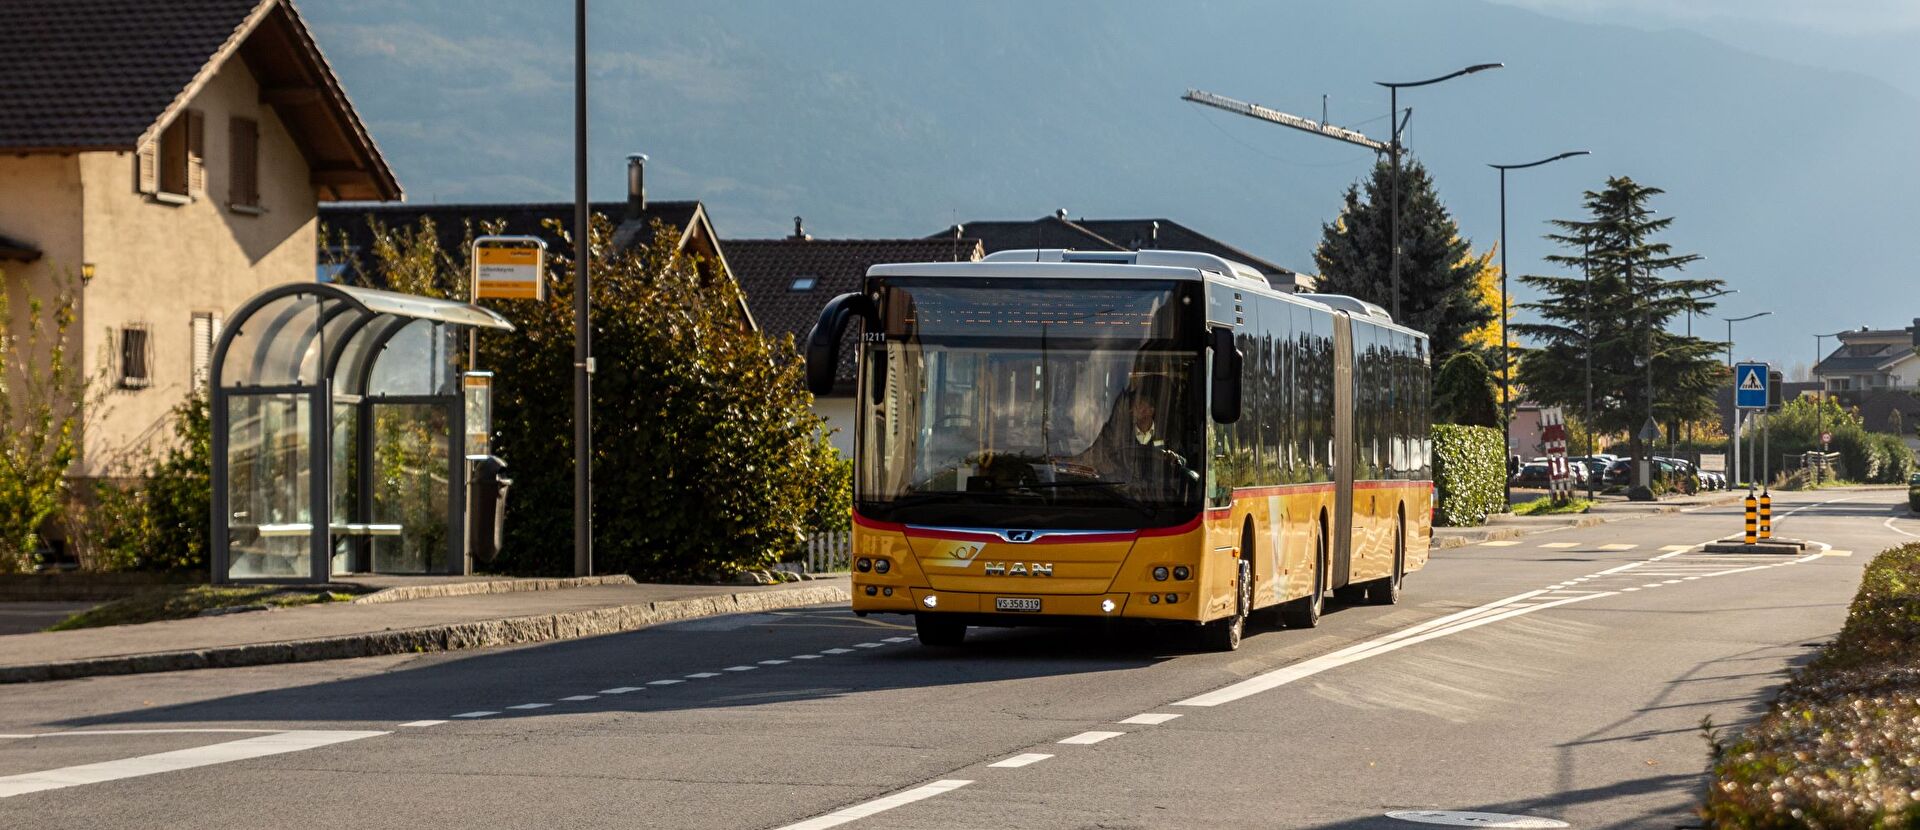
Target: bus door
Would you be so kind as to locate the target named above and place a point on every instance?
(1340, 547)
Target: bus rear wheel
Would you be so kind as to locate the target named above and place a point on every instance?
(1386, 590)
(939, 631)
(1225, 635)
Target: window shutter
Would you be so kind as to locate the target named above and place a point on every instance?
(146, 164)
(196, 153)
(202, 349)
(243, 150)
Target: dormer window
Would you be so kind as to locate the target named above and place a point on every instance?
(804, 282)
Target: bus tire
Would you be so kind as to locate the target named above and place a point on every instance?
(939, 631)
(1386, 590)
(1305, 611)
(1225, 635)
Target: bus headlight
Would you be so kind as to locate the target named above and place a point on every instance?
(1181, 573)
(864, 564)
(881, 566)
(1160, 573)
(930, 601)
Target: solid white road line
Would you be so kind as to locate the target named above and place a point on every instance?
(200, 756)
(1889, 526)
(878, 805)
(1021, 760)
(619, 690)
(423, 723)
(1391, 642)
(1150, 719)
(87, 732)
(1090, 737)
(480, 714)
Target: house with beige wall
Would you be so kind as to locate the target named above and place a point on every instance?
(167, 161)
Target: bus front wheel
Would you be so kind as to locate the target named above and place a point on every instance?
(1225, 635)
(939, 631)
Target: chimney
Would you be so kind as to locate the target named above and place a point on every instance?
(1916, 332)
(799, 231)
(636, 185)
(1153, 236)
(1060, 214)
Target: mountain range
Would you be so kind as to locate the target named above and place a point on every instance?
(899, 118)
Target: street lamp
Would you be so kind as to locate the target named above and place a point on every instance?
(1733, 435)
(1393, 152)
(1714, 295)
(1506, 352)
(582, 312)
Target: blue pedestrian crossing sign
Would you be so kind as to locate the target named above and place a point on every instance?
(1750, 386)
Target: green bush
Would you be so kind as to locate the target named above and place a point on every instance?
(1899, 463)
(151, 512)
(1470, 473)
(1837, 748)
(1463, 392)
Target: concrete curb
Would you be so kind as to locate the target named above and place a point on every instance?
(1487, 533)
(477, 634)
(492, 586)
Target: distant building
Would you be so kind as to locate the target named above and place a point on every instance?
(1057, 231)
(1869, 359)
(167, 160)
(788, 281)
(346, 249)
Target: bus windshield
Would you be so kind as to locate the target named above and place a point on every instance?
(1032, 404)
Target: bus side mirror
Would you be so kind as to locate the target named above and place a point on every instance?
(1226, 376)
(823, 343)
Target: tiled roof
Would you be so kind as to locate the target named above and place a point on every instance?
(767, 268)
(87, 74)
(1045, 232)
(1113, 235)
(450, 220)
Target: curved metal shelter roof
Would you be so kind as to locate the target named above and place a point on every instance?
(302, 334)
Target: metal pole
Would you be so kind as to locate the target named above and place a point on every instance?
(1586, 329)
(1733, 438)
(582, 317)
(1506, 358)
(1393, 152)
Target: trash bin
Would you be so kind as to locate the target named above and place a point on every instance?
(490, 487)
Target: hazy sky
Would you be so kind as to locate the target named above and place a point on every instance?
(1833, 16)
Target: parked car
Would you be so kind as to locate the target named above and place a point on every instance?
(1532, 474)
(1590, 468)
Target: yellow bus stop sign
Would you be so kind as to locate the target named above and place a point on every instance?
(509, 272)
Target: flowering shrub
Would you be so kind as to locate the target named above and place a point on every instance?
(1840, 748)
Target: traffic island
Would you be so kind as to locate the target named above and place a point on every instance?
(1776, 545)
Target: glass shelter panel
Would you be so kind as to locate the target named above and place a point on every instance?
(419, 360)
(268, 486)
(270, 346)
(411, 442)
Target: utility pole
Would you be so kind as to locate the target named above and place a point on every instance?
(582, 312)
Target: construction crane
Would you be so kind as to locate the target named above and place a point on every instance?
(1283, 119)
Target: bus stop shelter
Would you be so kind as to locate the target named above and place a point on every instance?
(338, 427)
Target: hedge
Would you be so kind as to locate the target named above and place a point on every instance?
(1470, 472)
(1838, 748)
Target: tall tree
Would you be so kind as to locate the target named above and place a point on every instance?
(1624, 303)
(1438, 271)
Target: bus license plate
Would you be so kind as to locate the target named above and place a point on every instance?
(1016, 603)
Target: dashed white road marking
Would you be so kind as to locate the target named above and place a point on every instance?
(1021, 760)
(702, 675)
(258, 746)
(1090, 737)
(666, 682)
(620, 690)
(878, 805)
(867, 645)
(480, 714)
(1150, 719)
(806, 657)
(423, 723)
(1676, 547)
(898, 640)
(531, 706)
(775, 662)
(836, 651)
(740, 668)
(1836, 553)
(1561, 545)
(1618, 546)
(1499, 543)
(579, 698)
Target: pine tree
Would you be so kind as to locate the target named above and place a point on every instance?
(1437, 268)
(1625, 305)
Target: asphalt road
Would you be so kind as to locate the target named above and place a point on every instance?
(1564, 676)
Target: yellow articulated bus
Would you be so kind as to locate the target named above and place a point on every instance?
(1155, 435)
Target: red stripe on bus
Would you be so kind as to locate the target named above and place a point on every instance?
(988, 535)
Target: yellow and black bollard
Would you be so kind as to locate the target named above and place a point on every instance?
(1753, 518)
(1766, 515)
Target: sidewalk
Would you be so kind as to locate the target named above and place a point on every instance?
(364, 629)
(1508, 526)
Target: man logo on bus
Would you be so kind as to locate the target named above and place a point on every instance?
(1019, 569)
(1020, 536)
